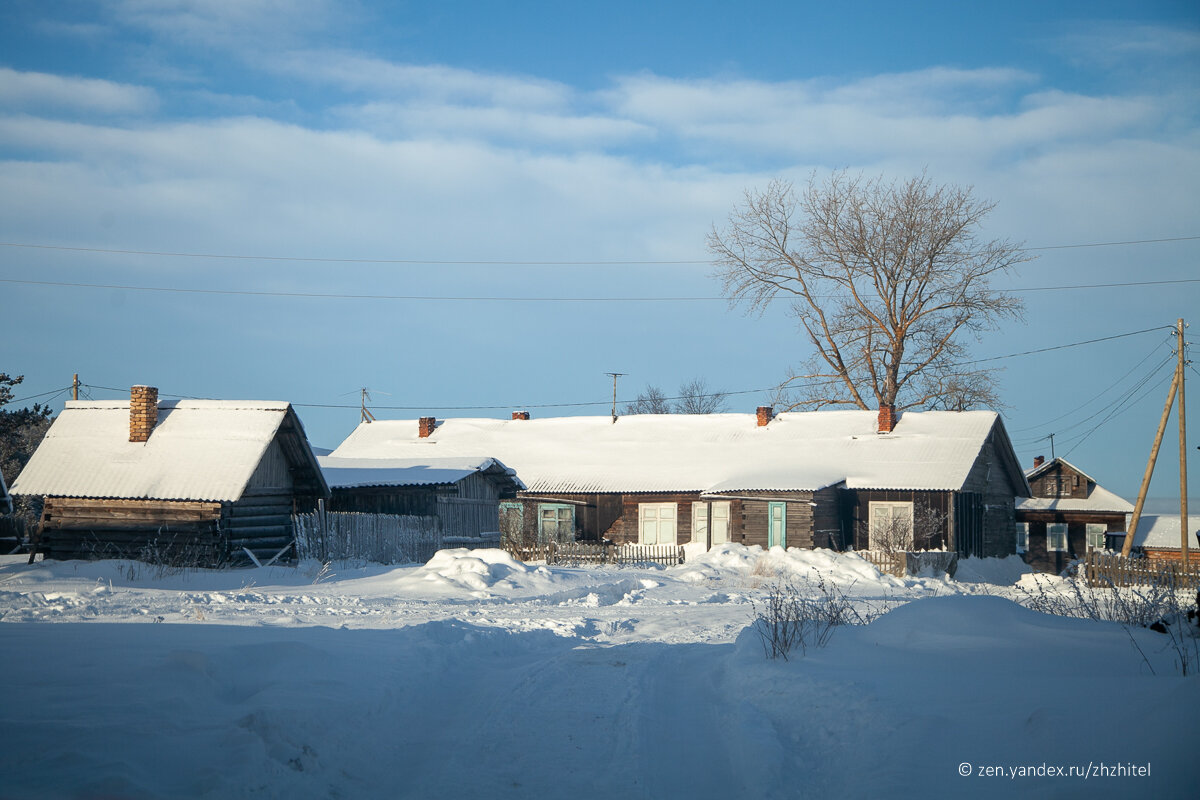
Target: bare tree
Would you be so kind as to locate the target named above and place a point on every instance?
(886, 280)
(696, 398)
(651, 401)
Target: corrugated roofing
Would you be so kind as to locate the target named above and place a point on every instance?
(712, 452)
(199, 450)
(1162, 531)
(347, 473)
(1100, 500)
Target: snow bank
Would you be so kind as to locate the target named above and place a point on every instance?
(732, 560)
(1000, 571)
(476, 572)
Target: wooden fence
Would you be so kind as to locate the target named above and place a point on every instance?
(902, 563)
(579, 554)
(384, 538)
(1113, 569)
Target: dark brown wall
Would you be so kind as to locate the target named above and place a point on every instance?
(1037, 556)
(990, 478)
(1060, 482)
(926, 506)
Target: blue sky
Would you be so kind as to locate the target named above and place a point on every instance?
(572, 132)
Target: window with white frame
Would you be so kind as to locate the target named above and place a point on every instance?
(1022, 537)
(891, 525)
(1056, 537)
(656, 523)
(1096, 532)
(710, 519)
(556, 523)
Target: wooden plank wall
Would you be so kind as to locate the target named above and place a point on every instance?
(147, 529)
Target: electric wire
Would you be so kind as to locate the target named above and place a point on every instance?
(485, 262)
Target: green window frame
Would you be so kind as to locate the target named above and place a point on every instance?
(555, 522)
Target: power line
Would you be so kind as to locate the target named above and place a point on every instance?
(1059, 347)
(508, 298)
(1092, 399)
(481, 262)
(54, 392)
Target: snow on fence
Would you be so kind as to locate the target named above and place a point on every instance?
(578, 554)
(1113, 569)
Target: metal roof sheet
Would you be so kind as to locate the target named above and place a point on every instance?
(198, 450)
(931, 450)
(347, 473)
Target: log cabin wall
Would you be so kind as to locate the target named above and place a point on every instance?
(798, 518)
(261, 519)
(1038, 554)
(183, 533)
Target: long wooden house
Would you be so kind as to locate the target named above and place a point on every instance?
(183, 481)
(1068, 514)
(463, 494)
(839, 479)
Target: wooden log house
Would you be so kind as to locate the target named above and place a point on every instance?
(188, 482)
(818, 479)
(1068, 514)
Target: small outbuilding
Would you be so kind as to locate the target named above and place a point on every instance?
(1158, 538)
(191, 482)
(463, 493)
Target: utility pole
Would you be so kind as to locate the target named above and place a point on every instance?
(1051, 438)
(1176, 382)
(1183, 481)
(367, 416)
(75, 387)
(615, 375)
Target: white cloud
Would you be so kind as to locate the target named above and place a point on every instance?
(242, 24)
(41, 91)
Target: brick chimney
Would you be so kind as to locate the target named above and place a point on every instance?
(764, 413)
(425, 426)
(520, 415)
(1038, 461)
(887, 418)
(143, 412)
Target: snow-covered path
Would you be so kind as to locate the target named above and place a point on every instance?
(426, 682)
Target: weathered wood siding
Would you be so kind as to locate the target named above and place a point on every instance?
(932, 512)
(798, 518)
(989, 478)
(159, 530)
(1061, 482)
(1038, 555)
(468, 507)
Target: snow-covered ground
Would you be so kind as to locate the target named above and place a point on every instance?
(479, 676)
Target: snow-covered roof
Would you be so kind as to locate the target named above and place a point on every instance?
(1162, 531)
(198, 450)
(714, 452)
(1100, 500)
(348, 473)
(1033, 473)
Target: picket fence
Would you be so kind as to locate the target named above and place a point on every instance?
(1113, 569)
(579, 554)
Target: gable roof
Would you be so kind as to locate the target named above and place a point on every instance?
(1100, 501)
(932, 450)
(1045, 467)
(1161, 531)
(198, 450)
(354, 473)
